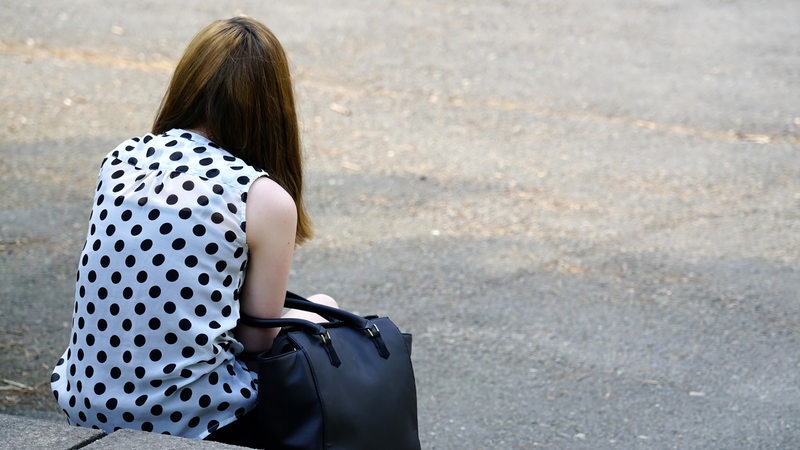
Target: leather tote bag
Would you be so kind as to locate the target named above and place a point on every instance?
(345, 384)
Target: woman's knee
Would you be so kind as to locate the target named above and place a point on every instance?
(324, 300)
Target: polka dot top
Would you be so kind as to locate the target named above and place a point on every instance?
(157, 292)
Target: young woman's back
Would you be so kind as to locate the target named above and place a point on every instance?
(158, 291)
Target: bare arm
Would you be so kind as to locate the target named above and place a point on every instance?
(271, 226)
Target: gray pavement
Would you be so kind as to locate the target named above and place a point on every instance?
(588, 213)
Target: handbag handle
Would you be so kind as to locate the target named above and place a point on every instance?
(294, 301)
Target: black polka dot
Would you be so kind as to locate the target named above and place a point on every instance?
(190, 261)
(199, 230)
(158, 259)
(169, 307)
(173, 275)
(155, 355)
(154, 292)
(154, 323)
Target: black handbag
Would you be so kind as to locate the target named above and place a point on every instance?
(345, 384)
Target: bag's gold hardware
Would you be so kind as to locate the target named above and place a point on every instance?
(377, 330)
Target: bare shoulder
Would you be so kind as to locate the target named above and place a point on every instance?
(270, 209)
(266, 194)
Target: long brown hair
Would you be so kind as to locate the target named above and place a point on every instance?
(233, 82)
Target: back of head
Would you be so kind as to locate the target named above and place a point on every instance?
(233, 83)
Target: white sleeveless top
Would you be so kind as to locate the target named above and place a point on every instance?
(157, 292)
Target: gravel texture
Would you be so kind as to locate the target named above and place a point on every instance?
(587, 213)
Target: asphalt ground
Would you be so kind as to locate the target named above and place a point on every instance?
(587, 213)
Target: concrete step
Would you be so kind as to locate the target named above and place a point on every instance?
(24, 433)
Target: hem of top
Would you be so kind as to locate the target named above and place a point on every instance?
(222, 424)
